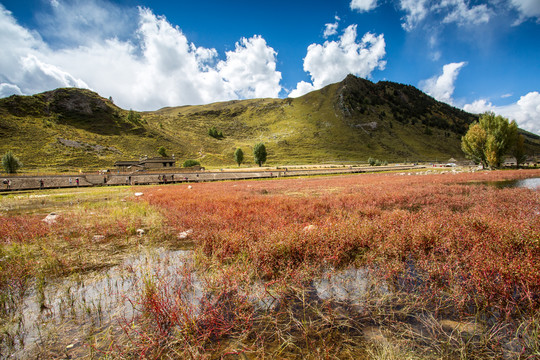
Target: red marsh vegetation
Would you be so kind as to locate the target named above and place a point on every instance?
(446, 248)
(476, 243)
(364, 266)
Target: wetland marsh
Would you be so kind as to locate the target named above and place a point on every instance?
(374, 266)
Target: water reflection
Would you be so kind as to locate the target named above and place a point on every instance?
(350, 285)
(531, 183)
(70, 313)
(81, 306)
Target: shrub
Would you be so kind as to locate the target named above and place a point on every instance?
(134, 117)
(162, 151)
(213, 132)
(377, 162)
(190, 163)
(11, 163)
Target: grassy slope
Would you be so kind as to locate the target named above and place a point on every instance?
(304, 130)
(331, 124)
(32, 126)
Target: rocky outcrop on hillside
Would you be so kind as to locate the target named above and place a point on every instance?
(79, 102)
(62, 102)
(359, 99)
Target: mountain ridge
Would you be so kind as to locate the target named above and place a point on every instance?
(348, 121)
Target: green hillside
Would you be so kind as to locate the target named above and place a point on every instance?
(68, 129)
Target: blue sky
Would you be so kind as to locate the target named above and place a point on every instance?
(475, 55)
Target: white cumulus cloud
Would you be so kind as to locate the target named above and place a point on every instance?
(156, 67)
(526, 9)
(460, 12)
(22, 65)
(16, 42)
(363, 5)
(302, 88)
(76, 22)
(479, 106)
(9, 89)
(442, 87)
(36, 72)
(446, 11)
(333, 60)
(526, 111)
(415, 10)
(331, 29)
(250, 70)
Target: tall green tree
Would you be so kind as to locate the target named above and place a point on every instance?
(474, 143)
(259, 153)
(239, 156)
(489, 140)
(11, 163)
(501, 136)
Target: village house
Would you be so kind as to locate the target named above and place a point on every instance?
(145, 164)
(528, 162)
(126, 165)
(157, 163)
(510, 162)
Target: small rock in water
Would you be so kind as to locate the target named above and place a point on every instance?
(98, 237)
(138, 194)
(51, 218)
(140, 232)
(185, 234)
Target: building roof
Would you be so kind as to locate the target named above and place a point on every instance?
(140, 163)
(157, 160)
(126, 163)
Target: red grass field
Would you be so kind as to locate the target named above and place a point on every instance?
(444, 248)
(476, 243)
